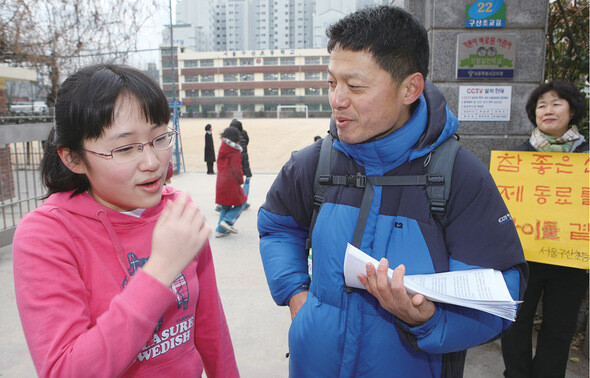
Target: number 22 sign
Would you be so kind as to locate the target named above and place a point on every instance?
(486, 14)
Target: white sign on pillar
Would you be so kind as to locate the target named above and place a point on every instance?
(484, 103)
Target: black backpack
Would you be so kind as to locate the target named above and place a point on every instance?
(439, 170)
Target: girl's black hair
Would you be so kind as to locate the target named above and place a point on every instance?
(232, 134)
(564, 90)
(85, 107)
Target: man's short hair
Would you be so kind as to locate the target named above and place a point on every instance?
(395, 38)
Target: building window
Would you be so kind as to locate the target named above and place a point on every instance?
(191, 63)
(313, 76)
(208, 93)
(271, 91)
(313, 107)
(288, 76)
(312, 60)
(271, 61)
(206, 62)
(230, 92)
(271, 76)
(247, 77)
(168, 64)
(230, 62)
(207, 78)
(270, 107)
(288, 61)
(287, 91)
(170, 93)
(192, 93)
(208, 108)
(326, 107)
(230, 107)
(325, 59)
(312, 91)
(246, 92)
(247, 107)
(191, 79)
(230, 77)
(246, 62)
(169, 79)
(325, 91)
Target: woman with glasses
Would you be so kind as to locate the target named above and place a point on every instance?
(113, 273)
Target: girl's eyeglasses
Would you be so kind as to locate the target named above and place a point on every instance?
(129, 152)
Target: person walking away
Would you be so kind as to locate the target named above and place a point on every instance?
(554, 109)
(387, 123)
(228, 192)
(244, 140)
(113, 273)
(209, 150)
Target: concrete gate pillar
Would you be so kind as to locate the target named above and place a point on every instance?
(444, 20)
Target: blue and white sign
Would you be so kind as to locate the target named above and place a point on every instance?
(486, 14)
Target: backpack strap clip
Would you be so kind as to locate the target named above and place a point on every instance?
(435, 180)
(438, 208)
(358, 181)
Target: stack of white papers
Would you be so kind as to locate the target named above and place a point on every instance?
(481, 289)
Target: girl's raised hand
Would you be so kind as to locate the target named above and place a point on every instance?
(179, 235)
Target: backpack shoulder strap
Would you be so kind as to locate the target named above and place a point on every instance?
(324, 168)
(440, 164)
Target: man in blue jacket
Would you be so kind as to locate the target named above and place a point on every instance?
(387, 120)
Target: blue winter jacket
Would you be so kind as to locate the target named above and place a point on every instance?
(348, 334)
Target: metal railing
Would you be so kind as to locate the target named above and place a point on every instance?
(21, 189)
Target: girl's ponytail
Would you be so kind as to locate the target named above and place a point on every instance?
(55, 175)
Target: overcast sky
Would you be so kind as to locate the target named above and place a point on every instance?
(151, 36)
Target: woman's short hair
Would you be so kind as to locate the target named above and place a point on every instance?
(208, 127)
(564, 90)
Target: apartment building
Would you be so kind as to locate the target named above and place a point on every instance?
(248, 82)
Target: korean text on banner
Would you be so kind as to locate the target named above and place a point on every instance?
(547, 194)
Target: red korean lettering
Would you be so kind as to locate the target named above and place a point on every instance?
(563, 194)
(580, 231)
(542, 192)
(509, 162)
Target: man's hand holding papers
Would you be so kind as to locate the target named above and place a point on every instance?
(481, 289)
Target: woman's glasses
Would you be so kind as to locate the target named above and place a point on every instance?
(129, 152)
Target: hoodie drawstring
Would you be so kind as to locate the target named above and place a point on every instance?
(104, 219)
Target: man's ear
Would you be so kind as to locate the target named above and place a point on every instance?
(71, 161)
(414, 86)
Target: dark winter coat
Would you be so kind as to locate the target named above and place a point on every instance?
(244, 140)
(339, 333)
(228, 191)
(209, 148)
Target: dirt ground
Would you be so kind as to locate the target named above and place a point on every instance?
(271, 140)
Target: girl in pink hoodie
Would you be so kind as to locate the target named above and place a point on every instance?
(113, 273)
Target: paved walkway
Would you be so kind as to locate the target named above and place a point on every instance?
(258, 327)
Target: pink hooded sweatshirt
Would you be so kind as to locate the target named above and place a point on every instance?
(88, 309)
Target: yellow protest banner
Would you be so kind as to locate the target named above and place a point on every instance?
(548, 197)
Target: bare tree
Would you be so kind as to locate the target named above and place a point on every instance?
(57, 36)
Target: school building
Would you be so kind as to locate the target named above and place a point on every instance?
(250, 83)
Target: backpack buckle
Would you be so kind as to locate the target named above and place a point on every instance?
(358, 180)
(317, 201)
(325, 180)
(435, 180)
(438, 208)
